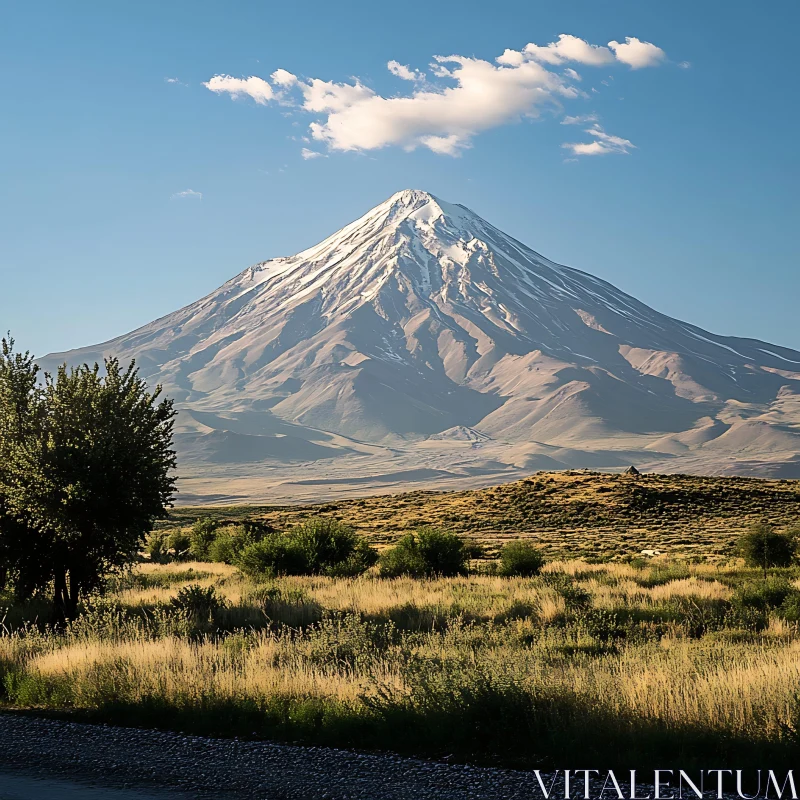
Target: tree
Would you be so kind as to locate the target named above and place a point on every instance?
(20, 417)
(84, 476)
(763, 546)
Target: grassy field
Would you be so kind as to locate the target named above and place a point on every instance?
(585, 515)
(656, 663)
(687, 658)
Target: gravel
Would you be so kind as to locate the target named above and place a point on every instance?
(228, 768)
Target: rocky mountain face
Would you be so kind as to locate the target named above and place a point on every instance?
(420, 345)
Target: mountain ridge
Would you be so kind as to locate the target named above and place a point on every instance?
(421, 317)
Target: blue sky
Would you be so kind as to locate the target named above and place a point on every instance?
(696, 214)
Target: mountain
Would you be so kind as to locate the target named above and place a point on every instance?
(422, 346)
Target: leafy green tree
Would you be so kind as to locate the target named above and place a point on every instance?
(763, 546)
(20, 417)
(84, 475)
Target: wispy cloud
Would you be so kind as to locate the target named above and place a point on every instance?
(404, 72)
(581, 119)
(188, 194)
(441, 115)
(603, 144)
(309, 154)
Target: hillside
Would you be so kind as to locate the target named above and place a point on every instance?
(571, 514)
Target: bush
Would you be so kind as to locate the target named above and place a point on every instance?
(165, 546)
(228, 543)
(197, 601)
(274, 555)
(790, 607)
(762, 546)
(201, 537)
(156, 547)
(324, 542)
(764, 595)
(359, 561)
(319, 546)
(178, 542)
(426, 553)
(403, 559)
(520, 559)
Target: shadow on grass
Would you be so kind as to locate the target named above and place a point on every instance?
(481, 724)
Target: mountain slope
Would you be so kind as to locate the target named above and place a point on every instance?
(421, 317)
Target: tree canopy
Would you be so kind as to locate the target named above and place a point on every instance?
(86, 465)
(763, 546)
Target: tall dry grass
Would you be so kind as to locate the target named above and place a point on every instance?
(622, 662)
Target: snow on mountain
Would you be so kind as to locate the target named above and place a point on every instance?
(421, 318)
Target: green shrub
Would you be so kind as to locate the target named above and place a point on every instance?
(333, 548)
(320, 546)
(179, 542)
(790, 607)
(403, 559)
(762, 546)
(276, 554)
(197, 601)
(764, 595)
(426, 553)
(324, 542)
(201, 537)
(575, 597)
(229, 542)
(520, 559)
(358, 562)
(156, 547)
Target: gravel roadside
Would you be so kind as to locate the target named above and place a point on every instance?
(230, 769)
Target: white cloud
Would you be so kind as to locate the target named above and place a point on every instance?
(685, 64)
(604, 144)
(570, 48)
(637, 54)
(467, 96)
(404, 72)
(581, 119)
(171, 80)
(441, 119)
(282, 77)
(309, 154)
(189, 194)
(510, 58)
(254, 87)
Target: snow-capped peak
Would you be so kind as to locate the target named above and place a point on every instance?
(420, 317)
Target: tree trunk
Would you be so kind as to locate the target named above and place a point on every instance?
(66, 596)
(72, 597)
(61, 596)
